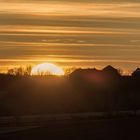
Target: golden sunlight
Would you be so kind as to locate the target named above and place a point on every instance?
(47, 69)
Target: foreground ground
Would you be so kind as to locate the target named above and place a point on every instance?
(107, 129)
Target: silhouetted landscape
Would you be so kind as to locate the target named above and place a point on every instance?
(84, 90)
(88, 100)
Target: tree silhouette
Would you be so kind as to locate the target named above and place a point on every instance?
(84, 90)
(136, 73)
(20, 71)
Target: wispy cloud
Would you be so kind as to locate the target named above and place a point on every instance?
(86, 33)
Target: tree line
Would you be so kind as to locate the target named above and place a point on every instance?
(83, 90)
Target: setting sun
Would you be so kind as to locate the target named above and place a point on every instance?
(47, 69)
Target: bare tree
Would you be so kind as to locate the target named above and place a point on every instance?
(20, 71)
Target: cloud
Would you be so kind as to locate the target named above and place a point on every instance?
(39, 30)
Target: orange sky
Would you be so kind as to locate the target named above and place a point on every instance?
(72, 33)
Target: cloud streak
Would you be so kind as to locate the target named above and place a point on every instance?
(89, 33)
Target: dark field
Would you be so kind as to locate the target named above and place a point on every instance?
(87, 104)
(107, 129)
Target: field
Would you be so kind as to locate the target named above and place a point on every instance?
(74, 127)
(65, 108)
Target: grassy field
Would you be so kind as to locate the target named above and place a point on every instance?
(103, 129)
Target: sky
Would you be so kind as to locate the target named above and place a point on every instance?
(70, 33)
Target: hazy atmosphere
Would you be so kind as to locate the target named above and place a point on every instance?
(70, 33)
(69, 69)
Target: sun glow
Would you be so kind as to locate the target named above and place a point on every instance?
(47, 69)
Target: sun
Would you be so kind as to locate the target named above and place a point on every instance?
(47, 69)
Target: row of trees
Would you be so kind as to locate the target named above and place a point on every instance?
(84, 90)
(26, 71)
(23, 71)
(20, 71)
